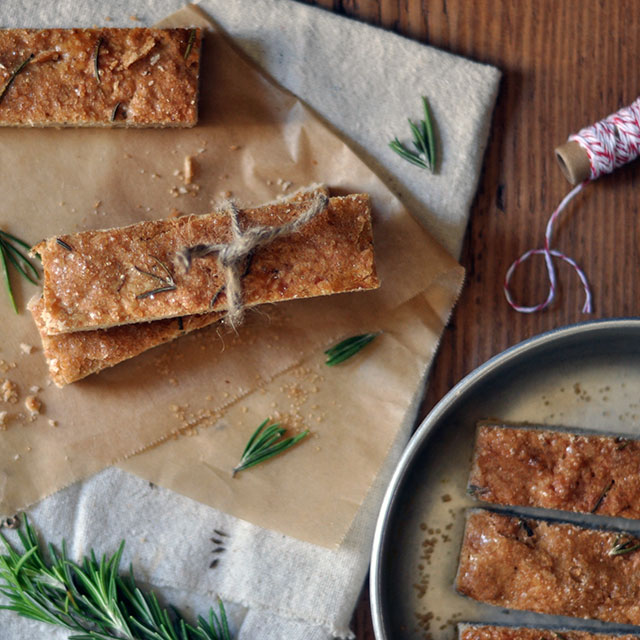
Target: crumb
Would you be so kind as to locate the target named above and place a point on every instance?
(26, 348)
(34, 388)
(9, 391)
(97, 203)
(175, 213)
(446, 498)
(108, 18)
(3, 420)
(53, 423)
(33, 405)
(189, 169)
(134, 18)
(182, 190)
(5, 366)
(234, 147)
(286, 185)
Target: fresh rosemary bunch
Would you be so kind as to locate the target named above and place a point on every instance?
(11, 252)
(347, 348)
(266, 442)
(91, 599)
(424, 142)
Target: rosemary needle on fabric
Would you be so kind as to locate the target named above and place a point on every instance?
(11, 253)
(347, 348)
(91, 599)
(267, 441)
(424, 142)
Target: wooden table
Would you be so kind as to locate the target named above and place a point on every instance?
(565, 64)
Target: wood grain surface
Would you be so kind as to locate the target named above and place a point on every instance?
(565, 65)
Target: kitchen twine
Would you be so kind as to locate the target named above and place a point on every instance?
(233, 256)
(609, 144)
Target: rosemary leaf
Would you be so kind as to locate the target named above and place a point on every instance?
(12, 77)
(192, 39)
(168, 283)
(114, 113)
(348, 348)
(424, 142)
(266, 442)
(9, 236)
(409, 156)
(20, 264)
(11, 254)
(90, 598)
(427, 129)
(622, 547)
(603, 495)
(96, 59)
(64, 245)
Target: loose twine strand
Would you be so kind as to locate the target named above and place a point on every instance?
(234, 256)
(609, 144)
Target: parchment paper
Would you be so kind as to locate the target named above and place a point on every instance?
(255, 141)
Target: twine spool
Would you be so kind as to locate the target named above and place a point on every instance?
(592, 152)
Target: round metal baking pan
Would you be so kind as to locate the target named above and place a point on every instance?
(584, 376)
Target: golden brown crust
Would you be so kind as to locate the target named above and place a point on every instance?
(557, 470)
(73, 356)
(142, 77)
(100, 279)
(491, 632)
(549, 567)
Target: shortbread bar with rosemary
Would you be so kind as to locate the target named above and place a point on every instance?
(73, 356)
(556, 469)
(494, 632)
(127, 275)
(99, 77)
(550, 567)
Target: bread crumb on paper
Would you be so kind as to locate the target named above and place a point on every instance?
(9, 391)
(33, 405)
(26, 348)
(4, 420)
(189, 169)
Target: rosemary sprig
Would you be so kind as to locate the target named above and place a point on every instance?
(91, 599)
(347, 348)
(192, 39)
(168, 283)
(96, 59)
(11, 252)
(13, 75)
(622, 547)
(266, 442)
(424, 142)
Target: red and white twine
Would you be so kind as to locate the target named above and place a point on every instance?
(609, 144)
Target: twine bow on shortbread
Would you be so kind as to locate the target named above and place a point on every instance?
(234, 258)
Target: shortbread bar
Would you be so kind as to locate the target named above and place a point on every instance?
(556, 469)
(101, 279)
(99, 77)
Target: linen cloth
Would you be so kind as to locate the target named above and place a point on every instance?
(365, 82)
